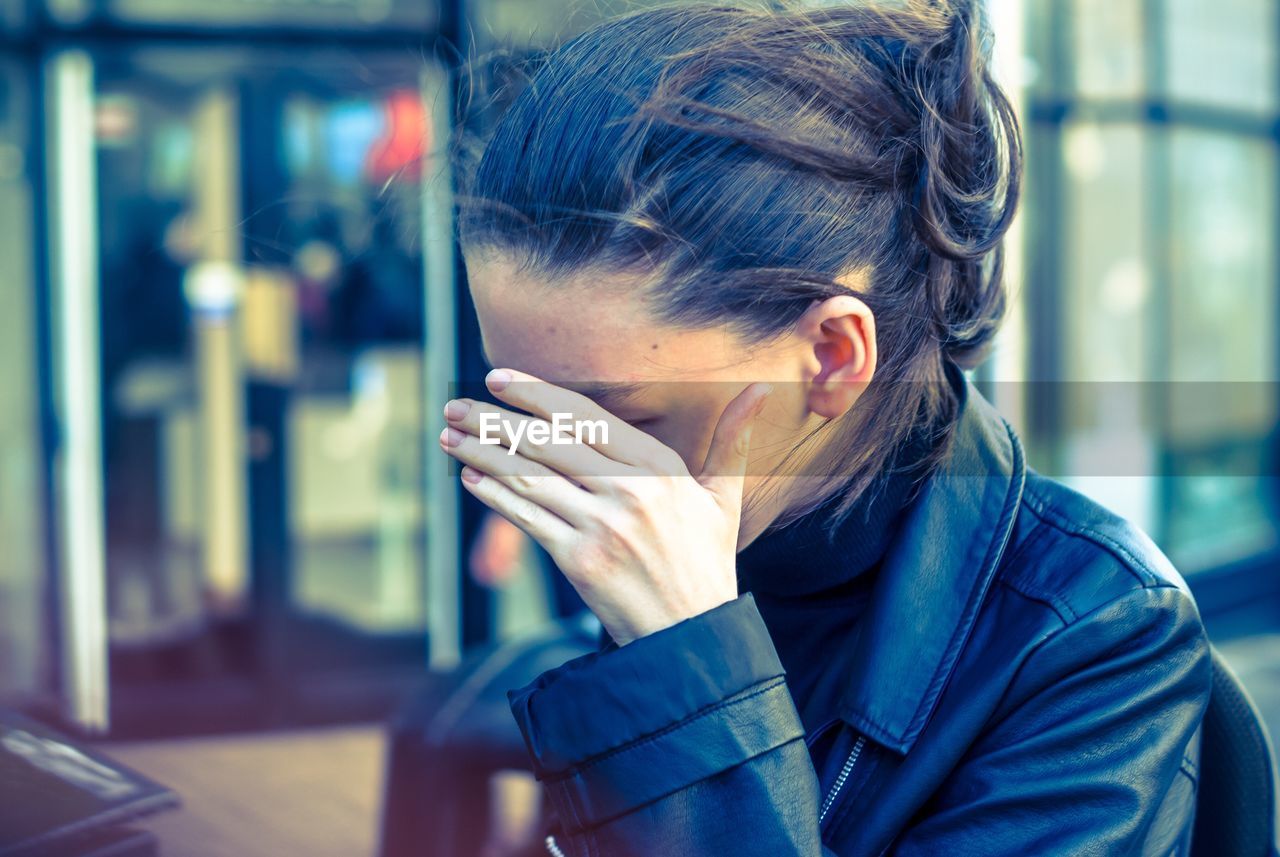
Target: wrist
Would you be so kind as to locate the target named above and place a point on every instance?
(671, 618)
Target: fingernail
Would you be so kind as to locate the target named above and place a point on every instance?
(455, 409)
(498, 380)
(451, 437)
(764, 397)
(470, 474)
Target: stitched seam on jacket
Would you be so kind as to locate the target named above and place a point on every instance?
(1064, 613)
(1130, 562)
(1052, 636)
(667, 730)
(570, 799)
(1018, 584)
(602, 821)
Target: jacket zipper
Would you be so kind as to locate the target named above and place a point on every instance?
(554, 850)
(838, 785)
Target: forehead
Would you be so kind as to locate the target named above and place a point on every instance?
(589, 328)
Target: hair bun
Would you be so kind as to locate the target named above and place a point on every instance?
(967, 184)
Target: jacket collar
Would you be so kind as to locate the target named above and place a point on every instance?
(934, 577)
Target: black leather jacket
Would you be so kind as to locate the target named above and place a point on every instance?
(1028, 679)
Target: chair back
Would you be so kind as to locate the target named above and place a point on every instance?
(1236, 803)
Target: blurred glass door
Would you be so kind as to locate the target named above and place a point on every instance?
(262, 233)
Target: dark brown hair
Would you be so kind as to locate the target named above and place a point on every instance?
(749, 157)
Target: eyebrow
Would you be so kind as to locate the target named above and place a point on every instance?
(606, 394)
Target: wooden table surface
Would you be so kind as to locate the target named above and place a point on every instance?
(310, 794)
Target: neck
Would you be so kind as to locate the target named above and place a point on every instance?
(788, 485)
(773, 497)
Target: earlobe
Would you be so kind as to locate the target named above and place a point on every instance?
(842, 333)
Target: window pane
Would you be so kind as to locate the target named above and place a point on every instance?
(21, 528)
(1039, 36)
(1108, 47)
(1106, 274)
(1106, 449)
(1221, 400)
(12, 16)
(1223, 269)
(1222, 52)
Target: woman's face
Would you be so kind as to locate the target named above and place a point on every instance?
(593, 333)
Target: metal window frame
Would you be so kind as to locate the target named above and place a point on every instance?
(1049, 109)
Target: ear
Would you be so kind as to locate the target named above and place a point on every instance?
(840, 338)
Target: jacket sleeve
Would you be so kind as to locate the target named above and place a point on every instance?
(1094, 750)
(684, 742)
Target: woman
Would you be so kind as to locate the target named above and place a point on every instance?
(753, 250)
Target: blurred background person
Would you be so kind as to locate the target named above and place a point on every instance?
(501, 551)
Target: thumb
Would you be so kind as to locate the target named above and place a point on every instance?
(726, 461)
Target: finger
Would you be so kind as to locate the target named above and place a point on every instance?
(580, 462)
(726, 461)
(529, 479)
(626, 443)
(546, 527)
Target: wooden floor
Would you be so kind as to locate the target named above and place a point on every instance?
(310, 794)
